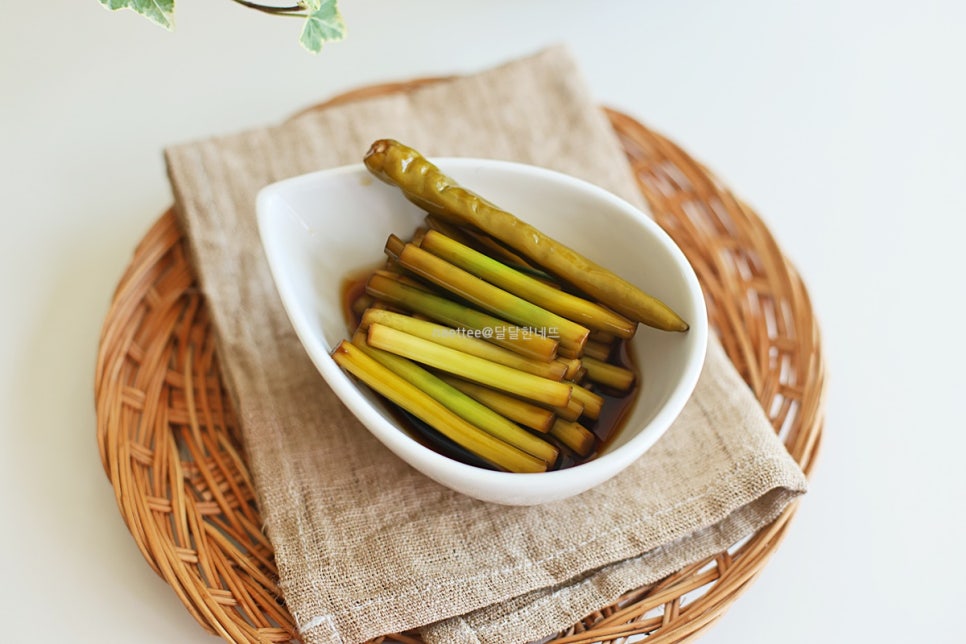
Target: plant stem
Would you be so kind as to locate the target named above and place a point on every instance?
(481, 242)
(597, 350)
(572, 366)
(459, 403)
(573, 435)
(459, 340)
(571, 411)
(270, 9)
(591, 315)
(592, 402)
(608, 374)
(520, 411)
(602, 336)
(526, 385)
(383, 286)
(419, 404)
(487, 296)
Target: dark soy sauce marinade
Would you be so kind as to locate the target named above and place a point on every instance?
(606, 428)
(613, 414)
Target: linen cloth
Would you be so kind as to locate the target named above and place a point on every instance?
(366, 545)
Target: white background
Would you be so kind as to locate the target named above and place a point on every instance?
(843, 123)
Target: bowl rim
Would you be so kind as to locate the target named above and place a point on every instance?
(349, 392)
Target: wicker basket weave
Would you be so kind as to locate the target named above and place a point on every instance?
(170, 447)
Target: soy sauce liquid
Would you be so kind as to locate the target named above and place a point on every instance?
(613, 413)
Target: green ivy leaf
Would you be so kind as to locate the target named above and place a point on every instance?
(158, 11)
(323, 24)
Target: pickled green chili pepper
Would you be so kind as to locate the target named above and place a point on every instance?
(428, 187)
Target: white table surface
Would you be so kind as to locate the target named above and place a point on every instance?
(844, 124)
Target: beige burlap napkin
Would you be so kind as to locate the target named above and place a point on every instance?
(366, 545)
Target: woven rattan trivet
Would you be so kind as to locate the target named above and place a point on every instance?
(170, 447)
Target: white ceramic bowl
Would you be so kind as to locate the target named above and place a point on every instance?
(318, 227)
